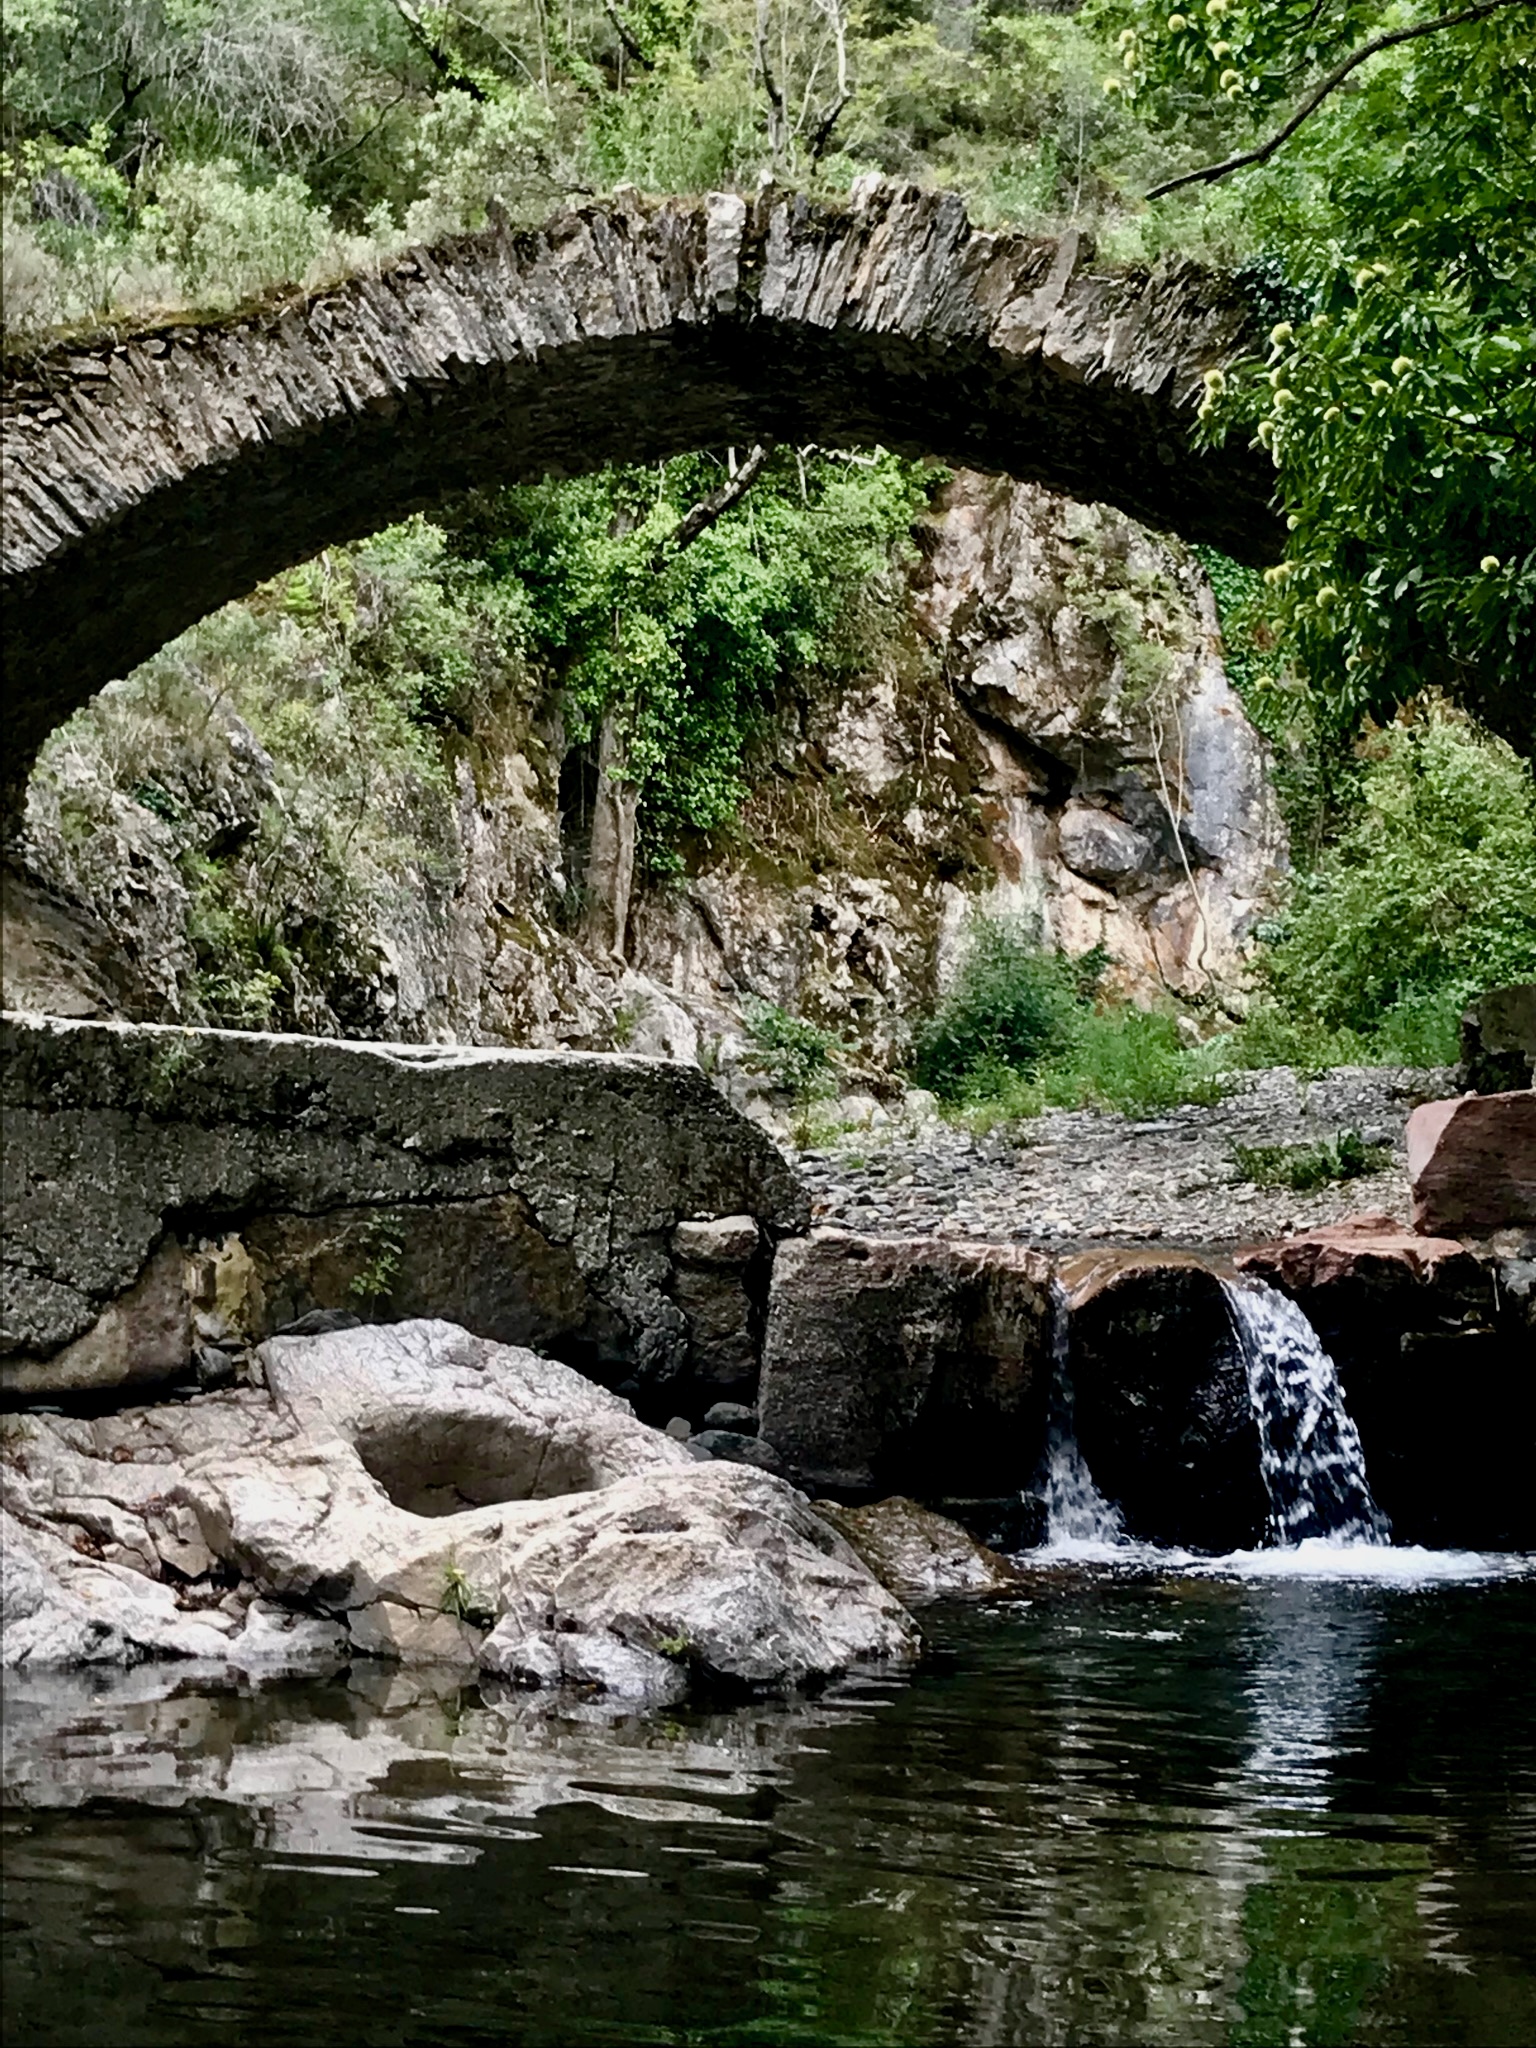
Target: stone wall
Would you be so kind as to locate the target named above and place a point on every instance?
(173, 1196)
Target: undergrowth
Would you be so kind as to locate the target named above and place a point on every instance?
(1023, 1030)
(1344, 1156)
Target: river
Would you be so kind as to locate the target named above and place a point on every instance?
(1145, 1801)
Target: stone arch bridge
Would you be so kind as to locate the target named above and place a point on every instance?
(151, 477)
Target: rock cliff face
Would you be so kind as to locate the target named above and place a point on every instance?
(1056, 739)
(1050, 733)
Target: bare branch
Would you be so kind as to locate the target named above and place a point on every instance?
(820, 138)
(778, 118)
(701, 517)
(1309, 106)
(434, 54)
(626, 36)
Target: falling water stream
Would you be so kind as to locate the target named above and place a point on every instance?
(1310, 1455)
(1077, 1516)
(1309, 1448)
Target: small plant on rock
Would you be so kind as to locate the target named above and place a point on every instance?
(461, 1600)
(1302, 1168)
(796, 1055)
(383, 1249)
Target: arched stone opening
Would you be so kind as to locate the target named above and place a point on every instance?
(152, 478)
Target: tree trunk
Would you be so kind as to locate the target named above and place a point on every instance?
(611, 860)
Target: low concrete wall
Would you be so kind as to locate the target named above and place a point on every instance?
(173, 1195)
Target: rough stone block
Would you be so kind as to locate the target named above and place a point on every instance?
(916, 1365)
(1422, 1330)
(722, 1327)
(1472, 1164)
(1160, 1388)
(532, 1194)
(1498, 1040)
(916, 1554)
(717, 1241)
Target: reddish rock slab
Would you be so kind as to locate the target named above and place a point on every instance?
(1372, 1253)
(1472, 1163)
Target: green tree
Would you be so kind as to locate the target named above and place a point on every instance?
(1428, 896)
(1383, 149)
(676, 602)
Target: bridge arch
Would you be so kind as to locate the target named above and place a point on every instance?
(153, 477)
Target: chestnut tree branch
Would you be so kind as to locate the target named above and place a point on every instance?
(1211, 173)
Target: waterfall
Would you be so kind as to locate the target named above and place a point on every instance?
(1075, 1510)
(1309, 1449)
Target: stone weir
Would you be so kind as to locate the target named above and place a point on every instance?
(176, 1199)
(172, 1197)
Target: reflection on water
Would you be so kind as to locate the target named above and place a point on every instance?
(1155, 1808)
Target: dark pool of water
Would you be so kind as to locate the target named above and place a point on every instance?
(1133, 1810)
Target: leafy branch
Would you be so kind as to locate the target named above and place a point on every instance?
(1210, 174)
(699, 518)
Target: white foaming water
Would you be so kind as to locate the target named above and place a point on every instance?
(1380, 1563)
(1079, 1521)
(1324, 1523)
(1309, 1449)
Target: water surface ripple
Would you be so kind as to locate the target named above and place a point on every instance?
(1137, 1807)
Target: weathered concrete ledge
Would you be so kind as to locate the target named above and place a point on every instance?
(170, 1192)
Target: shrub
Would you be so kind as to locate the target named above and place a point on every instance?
(1345, 1156)
(795, 1054)
(1427, 898)
(1012, 1007)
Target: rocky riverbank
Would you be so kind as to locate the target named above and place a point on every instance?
(1087, 1177)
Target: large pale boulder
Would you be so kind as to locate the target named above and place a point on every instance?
(1472, 1164)
(913, 1364)
(428, 1496)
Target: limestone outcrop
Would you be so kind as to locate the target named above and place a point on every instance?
(416, 1494)
(1010, 752)
(173, 1196)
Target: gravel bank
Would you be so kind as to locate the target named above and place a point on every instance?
(1083, 1177)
